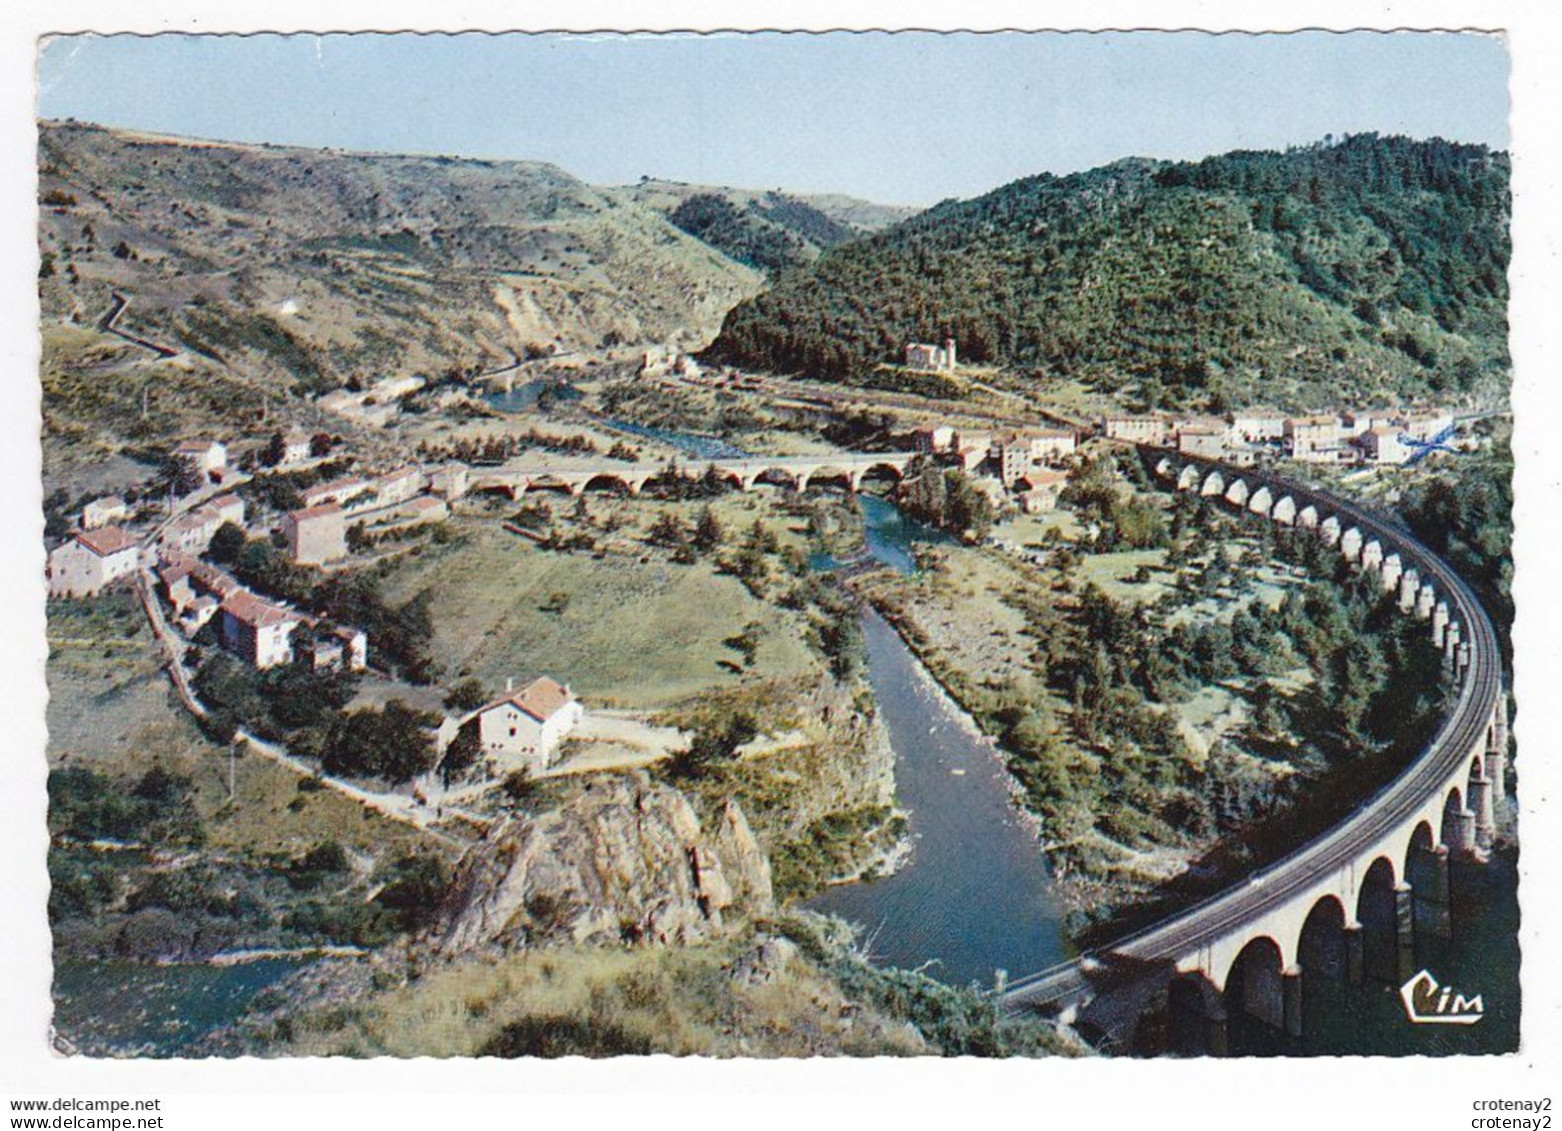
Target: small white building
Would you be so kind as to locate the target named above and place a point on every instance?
(1382, 445)
(91, 561)
(934, 439)
(527, 725)
(921, 355)
(449, 481)
(101, 512)
(209, 456)
(295, 448)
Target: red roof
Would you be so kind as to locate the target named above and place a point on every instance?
(542, 698)
(309, 513)
(256, 611)
(106, 540)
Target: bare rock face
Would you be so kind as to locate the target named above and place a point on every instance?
(626, 860)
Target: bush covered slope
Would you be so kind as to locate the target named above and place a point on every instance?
(1375, 266)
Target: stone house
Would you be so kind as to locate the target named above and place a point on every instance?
(1210, 443)
(101, 512)
(1258, 426)
(192, 532)
(398, 486)
(316, 535)
(1143, 429)
(91, 561)
(1039, 489)
(1314, 439)
(336, 491)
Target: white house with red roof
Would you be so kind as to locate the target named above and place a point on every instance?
(257, 630)
(527, 725)
(91, 561)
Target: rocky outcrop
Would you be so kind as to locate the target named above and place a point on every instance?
(627, 860)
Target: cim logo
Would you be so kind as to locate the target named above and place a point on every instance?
(1427, 1003)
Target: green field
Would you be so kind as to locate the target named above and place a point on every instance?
(636, 631)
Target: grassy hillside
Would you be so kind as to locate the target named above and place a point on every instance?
(1376, 266)
(274, 270)
(770, 231)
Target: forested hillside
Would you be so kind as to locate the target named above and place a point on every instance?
(1371, 267)
(771, 231)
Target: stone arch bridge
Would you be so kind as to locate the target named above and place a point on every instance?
(1350, 904)
(847, 468)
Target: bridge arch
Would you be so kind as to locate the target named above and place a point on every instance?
(1188, 478)
(1321, 950)
(883, 469)
(1254, 984)
(616, 484)
(1262, 502)
(827, 472)
(1214, 484)
(1164, 468)
(1307, 517)
(1377, 910)
(1329, 529)
(1237, 493)
(1285, 511)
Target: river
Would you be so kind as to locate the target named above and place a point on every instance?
(976, 896)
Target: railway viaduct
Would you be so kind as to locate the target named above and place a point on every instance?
(795, 471)
(1350, 904)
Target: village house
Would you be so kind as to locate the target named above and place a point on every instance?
(91, 561)
(191, 532)
(101, 512)
(210, 457)
(1382, 445)
(1012, 453)
(525, 725)
(337, 647)
(398, 486)
(1425, 425)
(1144, 429)
(423, 509)
(337, 491)
(971, 447)
(1039, 489)
(1258, 426)
(449, 481)
(1314, 439)
(295, 448)
(1203, 440)
(315, 535)
(920, 355)
(258, 631)
(1052, 445)
(934, 439)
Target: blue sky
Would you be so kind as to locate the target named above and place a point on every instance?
(903, 118)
